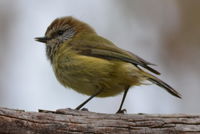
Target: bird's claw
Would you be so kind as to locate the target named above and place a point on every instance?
(123, 111)
(84, 109)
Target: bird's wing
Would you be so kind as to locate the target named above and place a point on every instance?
(107, 50)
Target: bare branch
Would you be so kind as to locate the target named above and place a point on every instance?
(74, 122)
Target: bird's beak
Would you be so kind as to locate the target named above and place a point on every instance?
(42, 39)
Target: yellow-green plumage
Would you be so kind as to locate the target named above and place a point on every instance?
(89, 63)
(87, 74)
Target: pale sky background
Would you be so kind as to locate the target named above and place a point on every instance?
(163, 32)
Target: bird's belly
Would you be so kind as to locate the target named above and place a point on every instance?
(88, 75)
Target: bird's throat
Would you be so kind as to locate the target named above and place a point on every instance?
(50, 51)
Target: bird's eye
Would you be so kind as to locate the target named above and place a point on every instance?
(60, 32)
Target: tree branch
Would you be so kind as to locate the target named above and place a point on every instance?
(74, 122)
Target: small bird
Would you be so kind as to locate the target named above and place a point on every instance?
(92, 65)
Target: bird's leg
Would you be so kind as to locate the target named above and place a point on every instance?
(86, 101)
(122, 102)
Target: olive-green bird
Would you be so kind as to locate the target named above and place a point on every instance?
(93, 65)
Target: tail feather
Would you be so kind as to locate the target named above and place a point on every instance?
(165, 86)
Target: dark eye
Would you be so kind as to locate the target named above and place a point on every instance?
(60, 32)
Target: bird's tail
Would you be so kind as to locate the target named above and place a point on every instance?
(164, 85)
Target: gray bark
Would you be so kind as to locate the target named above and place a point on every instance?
(67, 121)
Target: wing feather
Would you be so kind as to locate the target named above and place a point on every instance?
(105, 49)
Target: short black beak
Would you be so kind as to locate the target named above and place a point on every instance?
(42, 39)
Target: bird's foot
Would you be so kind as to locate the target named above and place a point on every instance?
(84, 109)
(64, 111)
(123, 111)
(45, 111)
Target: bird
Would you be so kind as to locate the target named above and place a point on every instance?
(93, 65)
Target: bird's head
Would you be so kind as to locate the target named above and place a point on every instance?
(61, 30)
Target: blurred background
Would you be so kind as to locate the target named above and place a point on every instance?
(163, 32)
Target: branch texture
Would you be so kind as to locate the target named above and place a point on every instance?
(66, 121)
